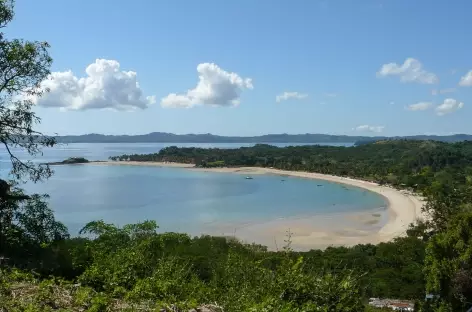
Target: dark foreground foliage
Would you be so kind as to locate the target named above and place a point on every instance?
(136, 265)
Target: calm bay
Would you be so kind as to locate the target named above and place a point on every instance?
(183, 200)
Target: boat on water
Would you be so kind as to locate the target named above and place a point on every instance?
(248, 178)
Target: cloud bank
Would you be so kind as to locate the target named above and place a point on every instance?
(215, 87)
(104, 86)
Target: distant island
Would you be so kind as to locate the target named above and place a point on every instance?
(70, 161)
(163, 137)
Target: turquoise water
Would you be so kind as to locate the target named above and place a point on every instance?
(185, 200)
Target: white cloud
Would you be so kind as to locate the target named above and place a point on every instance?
(367, 128)
(105, 86)
(215, 87)
(421, 106)
(410, 71)
(442, 91)
(466, 80)
(448, 106)
(290, 95)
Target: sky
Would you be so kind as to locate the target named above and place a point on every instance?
(252, 67)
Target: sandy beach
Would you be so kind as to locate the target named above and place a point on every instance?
(318, 231)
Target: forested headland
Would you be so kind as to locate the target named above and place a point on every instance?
(402, 163)
(137, 268)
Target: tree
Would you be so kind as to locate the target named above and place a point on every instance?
(26, 222)
(448, 265)
(23, 66)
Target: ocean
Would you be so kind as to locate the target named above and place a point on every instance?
(179, 199)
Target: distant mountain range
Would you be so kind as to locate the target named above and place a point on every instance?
(162, 137)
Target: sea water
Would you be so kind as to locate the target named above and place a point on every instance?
(180, 199)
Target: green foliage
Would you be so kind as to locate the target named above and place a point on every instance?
(29, 235)
(27, 225)
(402, 163)
(239, 280)
(72, 160)
(212, 164)
(23, 292)
(448, 264)
(136, 265)
(23, 64)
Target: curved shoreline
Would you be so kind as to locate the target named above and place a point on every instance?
(404, 208)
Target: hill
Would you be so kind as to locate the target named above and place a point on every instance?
(163, 137)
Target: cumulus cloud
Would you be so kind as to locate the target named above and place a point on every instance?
(290, 95)
(410, 71)
(215, 87)
(421, 106)
(105, 86)
(367, 128)
(466, 80)
(448, 106)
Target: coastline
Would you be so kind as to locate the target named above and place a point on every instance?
(315, 231)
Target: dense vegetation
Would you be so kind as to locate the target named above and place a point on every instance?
(136, 268)
(71, 161)
(404, 163)
(135, 264)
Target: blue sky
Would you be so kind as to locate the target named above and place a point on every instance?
(335, 60)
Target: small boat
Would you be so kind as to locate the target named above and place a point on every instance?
(248, 178)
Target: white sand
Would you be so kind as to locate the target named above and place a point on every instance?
(319, 231)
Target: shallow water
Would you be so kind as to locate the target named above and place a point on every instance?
(185, 200)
